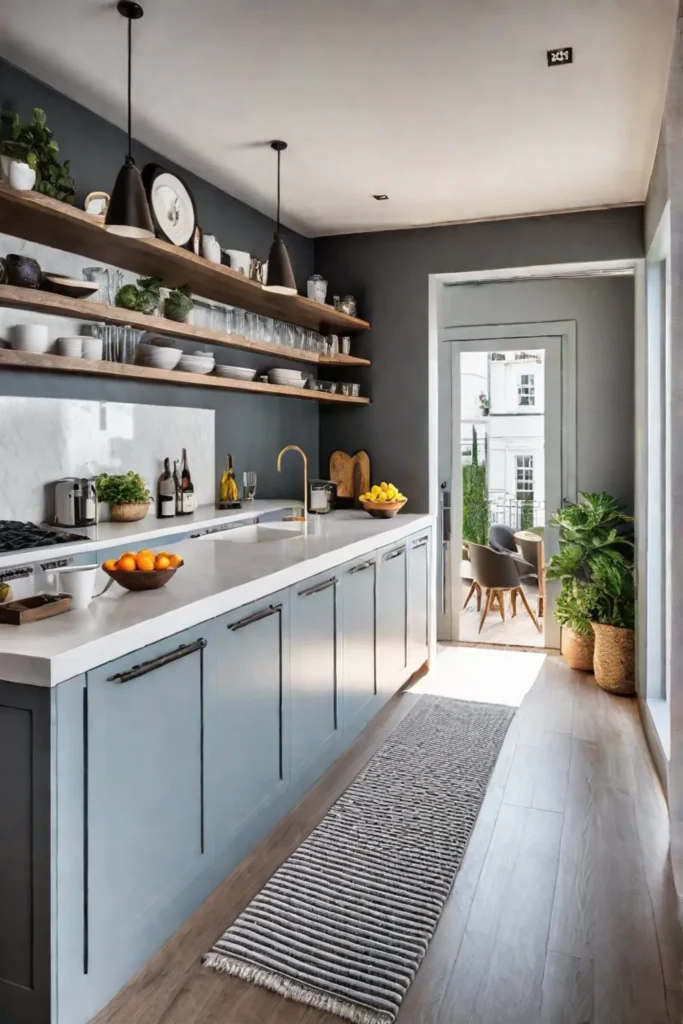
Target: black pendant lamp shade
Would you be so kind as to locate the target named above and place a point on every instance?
(280, 274)
(128, 213)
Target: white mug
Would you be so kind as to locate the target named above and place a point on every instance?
(79, 582)
(211, 249)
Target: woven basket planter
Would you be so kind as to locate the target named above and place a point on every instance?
(614, 660)
(129, 513)
(577, 650)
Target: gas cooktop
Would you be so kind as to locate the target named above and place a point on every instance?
(16, 536)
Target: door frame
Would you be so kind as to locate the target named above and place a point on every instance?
(552, 271)
(563, 333)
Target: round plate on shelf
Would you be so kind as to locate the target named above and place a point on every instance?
(171, 204)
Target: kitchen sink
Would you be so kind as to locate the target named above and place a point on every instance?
(261, 533)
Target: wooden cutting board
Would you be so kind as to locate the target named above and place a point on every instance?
(351, 473)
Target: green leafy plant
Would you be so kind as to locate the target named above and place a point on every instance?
(594, 564)
(475, 498)
(124, 489)
(179, 304)
(527, 514)
(484, 403)
(35, 145)
(144, 297)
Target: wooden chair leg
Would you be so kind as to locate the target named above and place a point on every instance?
(487, 605)
(478, 598)
(501, 604)
(513, 601)
(541, 605)
(528, 608)
(469, 594)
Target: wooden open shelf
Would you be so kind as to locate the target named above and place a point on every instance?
(11, 360)
(44, 220)
(86, 309)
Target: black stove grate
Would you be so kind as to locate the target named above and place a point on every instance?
(16, 536)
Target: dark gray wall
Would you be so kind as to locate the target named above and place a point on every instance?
(253, 428)
(389, 273)
(603, 311)
(658, 191)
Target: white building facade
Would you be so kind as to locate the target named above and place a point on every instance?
(503, 401)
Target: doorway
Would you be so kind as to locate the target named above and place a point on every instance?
(507, 448)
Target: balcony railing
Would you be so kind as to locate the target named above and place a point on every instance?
(519, 514)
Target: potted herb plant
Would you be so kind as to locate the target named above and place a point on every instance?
(179, 304)
(591, 536)
(126, 494)
(613, 622)
(29, 158)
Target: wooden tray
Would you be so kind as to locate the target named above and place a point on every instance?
(31, 609)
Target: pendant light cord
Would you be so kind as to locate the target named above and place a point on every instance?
(130, 88)
(278, 191)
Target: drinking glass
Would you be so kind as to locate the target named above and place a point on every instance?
(248, 485)
(251, 326)
(100, 277)
(346, 345)
(218, 318)
(237, 324)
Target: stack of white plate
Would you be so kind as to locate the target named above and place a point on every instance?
(30, 337)
(71, 346)
(234, 372)
(196, 363)
(288, 378)
(158, 356)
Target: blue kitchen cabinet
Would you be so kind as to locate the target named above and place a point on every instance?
(245, 717)
(392, 618)
(314, 692)
(358, 600)
(419, 548)
(144, 779)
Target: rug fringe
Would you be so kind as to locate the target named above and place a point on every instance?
(289, 989)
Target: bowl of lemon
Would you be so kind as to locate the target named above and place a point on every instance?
(143, 570)
(383, 501)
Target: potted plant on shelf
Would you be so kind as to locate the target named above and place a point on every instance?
(178, 305)
(29, 158)
(126, 494)
(591, 536)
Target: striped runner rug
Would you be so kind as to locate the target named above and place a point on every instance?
(344, 924)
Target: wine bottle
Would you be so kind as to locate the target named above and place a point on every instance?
(166, 503)
(189, 498)
(178, 489)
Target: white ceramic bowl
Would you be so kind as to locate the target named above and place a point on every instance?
(92, 348)
(70, 346)
(30, 337)
(194, 364)
(163, 359)
(235, 372)
(289, 382)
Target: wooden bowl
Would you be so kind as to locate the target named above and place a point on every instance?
(384, 509)
(137, 580)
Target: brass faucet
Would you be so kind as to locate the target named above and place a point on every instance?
(302, 453)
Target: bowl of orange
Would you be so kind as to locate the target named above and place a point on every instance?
(143, 570)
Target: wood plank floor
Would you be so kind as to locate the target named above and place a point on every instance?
(563, 911)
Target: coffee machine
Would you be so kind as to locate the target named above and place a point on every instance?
(75, 502)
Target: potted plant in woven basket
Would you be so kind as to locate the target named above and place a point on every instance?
(591, 532)
(613, 596)
(126, 494)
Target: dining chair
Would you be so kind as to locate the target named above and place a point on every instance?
(497, 574)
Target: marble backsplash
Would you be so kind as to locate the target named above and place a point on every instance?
(45, 439)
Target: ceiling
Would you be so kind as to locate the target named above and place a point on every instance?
(448, 106)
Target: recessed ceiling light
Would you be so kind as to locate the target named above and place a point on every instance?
(379, 196)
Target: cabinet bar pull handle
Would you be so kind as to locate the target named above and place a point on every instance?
(360, 568)
(273, 609)
(332, 582)
(395, 554)
(164, 659)
(420, 542)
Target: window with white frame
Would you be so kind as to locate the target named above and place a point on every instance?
(526, 390)
(524, 474)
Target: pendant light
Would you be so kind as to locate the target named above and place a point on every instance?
(128, 212)
(280, 275)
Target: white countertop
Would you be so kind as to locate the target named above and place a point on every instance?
(106, 535)
(218, 576)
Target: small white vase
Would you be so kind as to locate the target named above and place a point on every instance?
(21, 176)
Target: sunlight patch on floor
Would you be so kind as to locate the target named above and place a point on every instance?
(480, 674)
